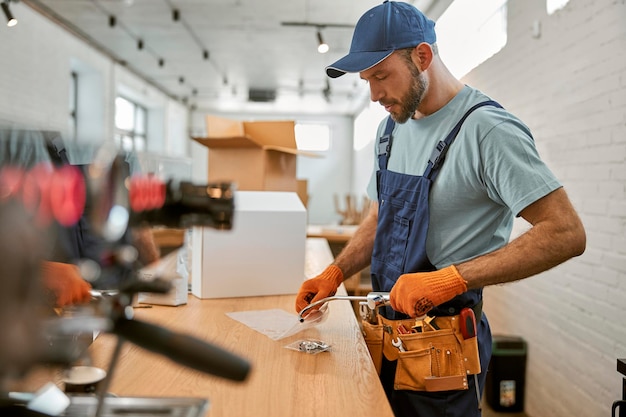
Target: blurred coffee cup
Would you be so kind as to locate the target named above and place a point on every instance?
(83, 379)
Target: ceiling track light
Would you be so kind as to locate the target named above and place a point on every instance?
(301, 88)
(175, 15)
(322, 46)
(140, 44)
(161, 62)
(11, 20)
(112, 21)
(205, 54)
(326, 92)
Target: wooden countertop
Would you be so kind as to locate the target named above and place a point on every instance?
(282, 382)
(332, 233)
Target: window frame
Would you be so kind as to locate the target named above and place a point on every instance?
(73, 106)
(137, 134)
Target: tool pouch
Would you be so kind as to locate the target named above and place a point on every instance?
(373, 335)
(434, 360)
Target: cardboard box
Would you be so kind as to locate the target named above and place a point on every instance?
(257, 155)
(262, 255)
(303, 192)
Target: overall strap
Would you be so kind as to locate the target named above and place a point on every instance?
(439, 154)
(384, 144)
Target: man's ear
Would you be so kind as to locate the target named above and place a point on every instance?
(422, 56)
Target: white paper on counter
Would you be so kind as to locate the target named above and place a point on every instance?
(276, 323)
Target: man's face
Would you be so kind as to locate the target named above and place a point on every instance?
(398, 85)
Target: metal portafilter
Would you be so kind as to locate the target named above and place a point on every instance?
(111, 312)
(372, 301)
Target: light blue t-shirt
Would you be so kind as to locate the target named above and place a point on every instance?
(492, 172)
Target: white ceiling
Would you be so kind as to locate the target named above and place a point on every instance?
(248, 45)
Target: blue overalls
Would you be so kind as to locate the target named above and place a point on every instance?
(79, 241)
(399, 248)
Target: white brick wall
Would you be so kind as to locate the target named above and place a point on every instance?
(35, 73)
(37, 60)
(569, 86)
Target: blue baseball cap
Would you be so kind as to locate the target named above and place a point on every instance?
(380, 31)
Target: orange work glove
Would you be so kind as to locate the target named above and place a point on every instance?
(416, 294)
(322, 286)
(64, 281)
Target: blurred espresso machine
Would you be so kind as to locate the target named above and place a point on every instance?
(36, 200)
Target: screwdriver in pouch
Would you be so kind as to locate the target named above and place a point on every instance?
(468, 329)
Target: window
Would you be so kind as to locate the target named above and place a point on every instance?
(73, 114)
(312, 137)
(554, 5)
(130, 125)
(469, 32)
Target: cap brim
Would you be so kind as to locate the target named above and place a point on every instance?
(356, 62)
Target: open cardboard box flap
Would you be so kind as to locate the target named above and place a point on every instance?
(257, 156)
(267, 135)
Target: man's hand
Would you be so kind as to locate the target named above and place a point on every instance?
(64, 281)
(322, 286)
(416, 294)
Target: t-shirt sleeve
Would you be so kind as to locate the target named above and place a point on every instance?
(514, 174)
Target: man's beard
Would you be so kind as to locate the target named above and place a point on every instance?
(413, 97)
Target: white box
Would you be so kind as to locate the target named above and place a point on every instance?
(263, 254)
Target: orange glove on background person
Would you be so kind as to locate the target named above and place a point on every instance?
(416, 294)
(322, 286)
(64, 281)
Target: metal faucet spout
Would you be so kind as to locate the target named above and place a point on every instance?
(373, 299)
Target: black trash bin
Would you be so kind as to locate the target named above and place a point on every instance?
(506, 376)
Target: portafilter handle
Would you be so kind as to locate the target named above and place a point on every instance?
(373, 300)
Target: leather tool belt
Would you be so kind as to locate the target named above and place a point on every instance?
(437, 358)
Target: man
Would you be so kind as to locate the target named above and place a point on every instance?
(21, 150)
(27, 150)
(438, 230)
